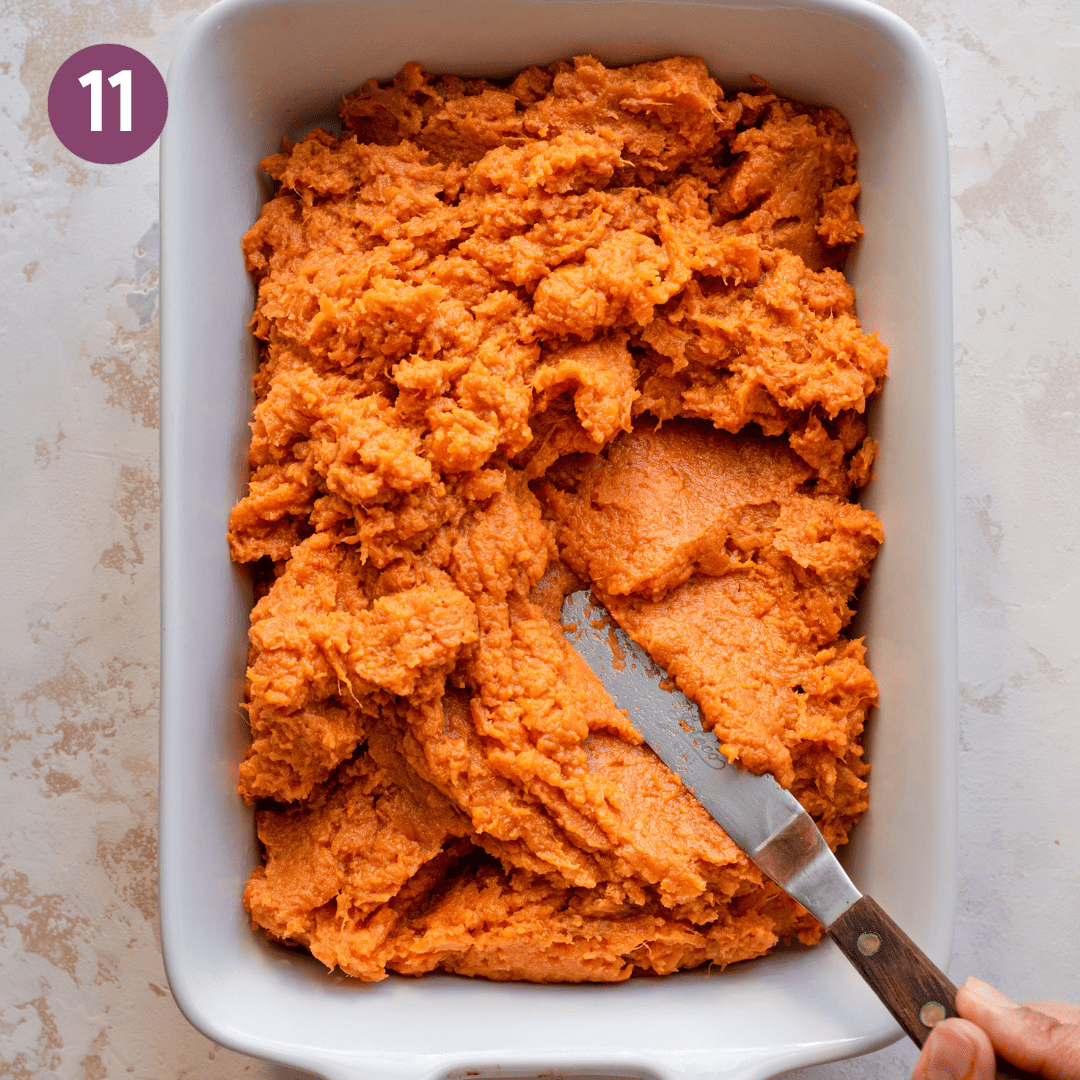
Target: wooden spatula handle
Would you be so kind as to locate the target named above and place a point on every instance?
(898, 971)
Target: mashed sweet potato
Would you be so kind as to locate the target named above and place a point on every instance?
(589, 327)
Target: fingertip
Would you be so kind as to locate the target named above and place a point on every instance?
(983, 994)
(955, 1050)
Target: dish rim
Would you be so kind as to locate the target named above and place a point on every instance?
(175, 415)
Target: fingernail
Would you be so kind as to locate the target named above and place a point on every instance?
(952, 1055)
(988, 995)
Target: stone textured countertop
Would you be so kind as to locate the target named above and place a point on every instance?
(83, 992)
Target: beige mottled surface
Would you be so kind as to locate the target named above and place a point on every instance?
(82, 989)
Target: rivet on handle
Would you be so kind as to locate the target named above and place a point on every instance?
(868, 944)
(932, 1013)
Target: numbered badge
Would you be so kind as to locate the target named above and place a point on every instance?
(108, 104)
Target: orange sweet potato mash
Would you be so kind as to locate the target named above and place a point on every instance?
(587, 327)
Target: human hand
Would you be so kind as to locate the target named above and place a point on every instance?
(1042, 1037)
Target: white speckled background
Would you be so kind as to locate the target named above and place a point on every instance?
(82, 989)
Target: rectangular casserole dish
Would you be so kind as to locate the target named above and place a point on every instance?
(250, 71)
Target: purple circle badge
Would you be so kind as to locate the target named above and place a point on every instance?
(108, 104)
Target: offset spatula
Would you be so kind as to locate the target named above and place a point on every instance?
(767, 822)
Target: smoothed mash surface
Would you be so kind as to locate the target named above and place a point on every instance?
(589, 327)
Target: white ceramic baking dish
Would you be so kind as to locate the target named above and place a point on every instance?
(251, 70)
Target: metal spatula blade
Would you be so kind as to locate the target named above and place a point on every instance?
(766, 821)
